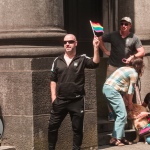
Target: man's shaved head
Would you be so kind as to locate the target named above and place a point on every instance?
(70, 37)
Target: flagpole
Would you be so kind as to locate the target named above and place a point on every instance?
(92, 28)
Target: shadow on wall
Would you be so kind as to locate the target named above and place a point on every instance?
(102, 109)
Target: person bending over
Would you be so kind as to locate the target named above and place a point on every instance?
(120, 82)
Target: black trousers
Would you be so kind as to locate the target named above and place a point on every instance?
(60, 108)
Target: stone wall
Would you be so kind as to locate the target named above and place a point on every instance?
(25, 101)
(31, 34)
(25, 105)
(145, 79)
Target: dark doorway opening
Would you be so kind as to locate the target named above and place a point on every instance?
(77, 14)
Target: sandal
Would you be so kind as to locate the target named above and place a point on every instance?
(115, 142)
(126, 142)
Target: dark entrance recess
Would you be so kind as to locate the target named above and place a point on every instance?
(77, 14)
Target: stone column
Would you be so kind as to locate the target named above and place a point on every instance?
(31, 33)
(139, 12)
(36, 24)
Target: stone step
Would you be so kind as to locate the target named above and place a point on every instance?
(138, 146)
(104, 125)
(7, 148)
(105, 128)
(104, 138)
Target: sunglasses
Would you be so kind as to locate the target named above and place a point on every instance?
(126, 24)
(70, 42)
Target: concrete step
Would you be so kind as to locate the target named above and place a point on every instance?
(138, 146)
(7, 148)
(105, 128)
(104, 138)
(104, 125)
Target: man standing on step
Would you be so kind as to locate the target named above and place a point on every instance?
(67, 89)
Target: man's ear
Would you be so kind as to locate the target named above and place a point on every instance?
(76, 43)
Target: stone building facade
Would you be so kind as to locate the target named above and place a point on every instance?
(31, 35)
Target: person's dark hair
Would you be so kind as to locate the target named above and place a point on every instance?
(138, 65)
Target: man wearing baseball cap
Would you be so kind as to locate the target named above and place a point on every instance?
(127, 19)
(125, 45)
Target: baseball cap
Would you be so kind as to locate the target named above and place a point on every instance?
(128, 19)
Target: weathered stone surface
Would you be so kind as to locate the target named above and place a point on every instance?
(136, 9)
(15, 98)
(90, 139)
(145, 79)
(41, 92)
(31, 28)
(31, 35)
(18, 14)
(7, 148)
(35, 29)
(90, 90)
(40, 126)
(9, 64)
(100, 79)
(25, 102)
(18, 131)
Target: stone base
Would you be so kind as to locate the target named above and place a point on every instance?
(7, 148)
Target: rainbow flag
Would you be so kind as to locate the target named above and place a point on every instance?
(96, 27)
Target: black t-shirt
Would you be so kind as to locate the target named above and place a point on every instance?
(147, 100)
(121, 47)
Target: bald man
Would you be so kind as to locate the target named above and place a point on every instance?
(67, 89)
